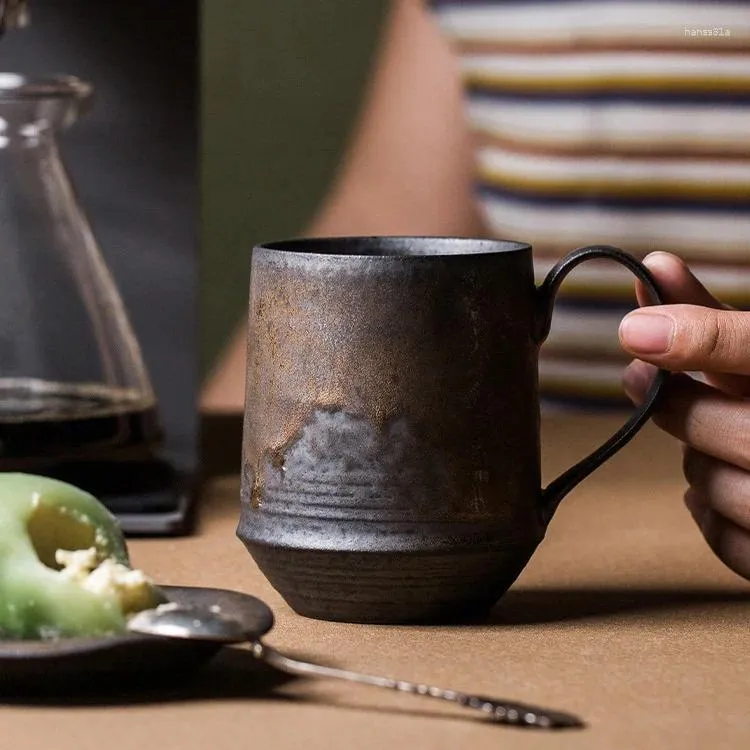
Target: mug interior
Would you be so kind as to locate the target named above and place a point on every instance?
(396, 246)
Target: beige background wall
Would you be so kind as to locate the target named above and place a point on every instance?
(282, 80)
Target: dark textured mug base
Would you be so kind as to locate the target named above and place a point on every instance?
(391, 588)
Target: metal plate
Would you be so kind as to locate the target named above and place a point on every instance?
(73, 661)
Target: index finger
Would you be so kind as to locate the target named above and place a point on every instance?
(676, 282)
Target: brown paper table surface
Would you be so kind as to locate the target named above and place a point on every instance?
(623, 616)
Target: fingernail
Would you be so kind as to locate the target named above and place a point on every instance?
(637, 379)
(660, 256)
(646, 332)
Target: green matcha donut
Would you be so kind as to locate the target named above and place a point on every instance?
(45, 593)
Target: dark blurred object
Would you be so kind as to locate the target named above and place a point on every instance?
(14, 14)
(221, 445)
(133, 161)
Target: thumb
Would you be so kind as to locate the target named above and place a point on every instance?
(689, 337)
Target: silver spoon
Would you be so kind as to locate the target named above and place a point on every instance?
(211, 624)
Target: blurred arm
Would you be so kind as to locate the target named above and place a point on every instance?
(408, 169)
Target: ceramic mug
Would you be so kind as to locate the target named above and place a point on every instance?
(391, 458)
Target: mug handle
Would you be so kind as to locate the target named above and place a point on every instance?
(552, 495)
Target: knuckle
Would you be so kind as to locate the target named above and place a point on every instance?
(744, 453)
(714, 338)
(729, 542)
(692, 466)
(739, 435)
(743, 507)
(730, 440)
(721, 338)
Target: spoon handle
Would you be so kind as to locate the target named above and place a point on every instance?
(502, 712)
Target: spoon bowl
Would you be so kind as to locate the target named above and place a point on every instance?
(173, 620)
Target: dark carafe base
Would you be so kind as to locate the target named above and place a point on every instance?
(149, 496)
(106, 447)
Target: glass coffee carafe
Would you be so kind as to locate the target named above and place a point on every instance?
(73, 385)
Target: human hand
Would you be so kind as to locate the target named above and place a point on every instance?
(693, 332)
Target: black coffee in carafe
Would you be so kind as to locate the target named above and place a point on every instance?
(43, 425)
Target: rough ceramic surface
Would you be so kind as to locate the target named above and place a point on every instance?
(391, 449)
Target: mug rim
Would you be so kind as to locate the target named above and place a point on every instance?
(399, 246)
